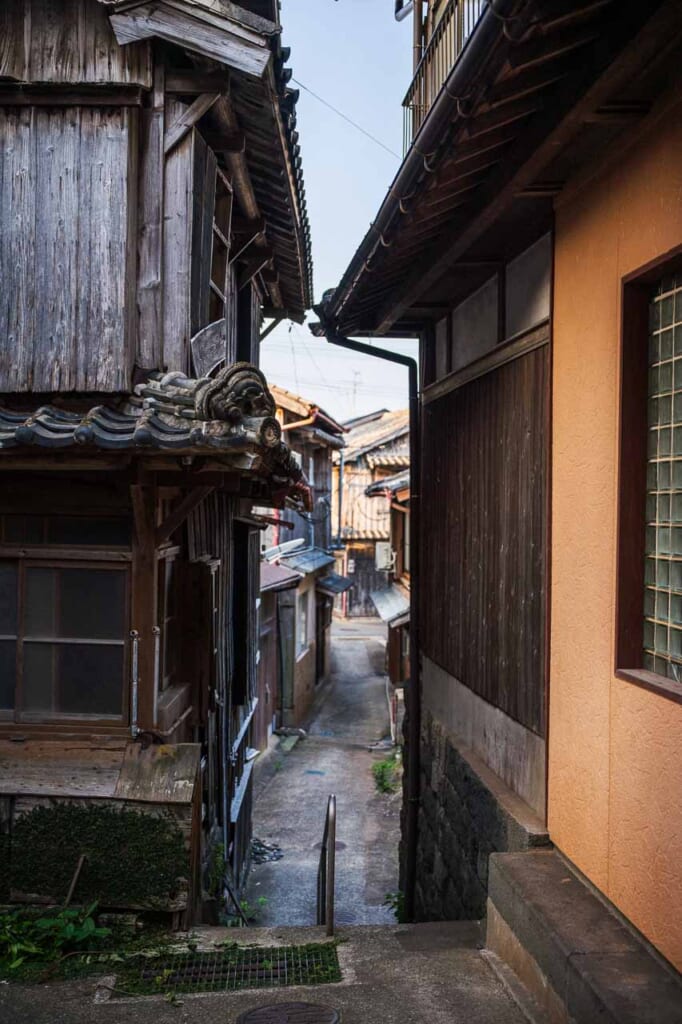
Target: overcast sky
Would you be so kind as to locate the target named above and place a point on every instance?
(354, 55)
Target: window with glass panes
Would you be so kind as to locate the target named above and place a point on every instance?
(62, 640)
(663, 535)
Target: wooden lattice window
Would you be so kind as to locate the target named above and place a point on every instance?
(663, 535)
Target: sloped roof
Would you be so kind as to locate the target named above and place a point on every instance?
(393, 484)
(303, 408)
(277, 577)
(368, 436)
(308, 560)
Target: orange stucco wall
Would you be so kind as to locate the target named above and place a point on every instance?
(615, 750)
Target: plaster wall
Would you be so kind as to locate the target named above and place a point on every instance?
(615, 770)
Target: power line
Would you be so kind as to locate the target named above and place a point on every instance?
(348, 119)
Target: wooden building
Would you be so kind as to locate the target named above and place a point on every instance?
(393, 604)
(377, 445)
(532, 239)
(151, 210)
(299, 542)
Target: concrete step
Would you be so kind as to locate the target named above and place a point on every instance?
(572, 952)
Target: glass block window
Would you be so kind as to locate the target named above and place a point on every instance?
(663, 538)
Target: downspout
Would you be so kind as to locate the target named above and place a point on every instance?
(413, 701)
(340, 494)
(417, 36)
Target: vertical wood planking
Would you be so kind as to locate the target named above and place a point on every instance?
(203, 204)
(67, 41)
(177, 237)
(231, 297)
(484, 489)
(65, 241)
(150, 234)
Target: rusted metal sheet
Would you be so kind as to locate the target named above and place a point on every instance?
(484, 487)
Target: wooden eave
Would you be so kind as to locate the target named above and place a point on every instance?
(540, 109)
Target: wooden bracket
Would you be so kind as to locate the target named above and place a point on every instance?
(186, 121)
(251, 268)
(180, 513)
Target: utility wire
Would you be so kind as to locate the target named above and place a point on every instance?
(348, 119)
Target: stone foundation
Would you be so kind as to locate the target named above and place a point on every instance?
(466, 813)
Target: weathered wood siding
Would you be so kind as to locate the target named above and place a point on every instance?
(66, 248)
(67, 41)
(484, 488)
(189, 199)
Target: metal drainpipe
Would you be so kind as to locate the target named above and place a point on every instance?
(340, 493)
(413, 702)
(418, 29)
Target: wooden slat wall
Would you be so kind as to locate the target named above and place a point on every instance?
(189, 195)
(210, 536)
(484, 487)
(65, 195)
(67, 41)
(231, 294)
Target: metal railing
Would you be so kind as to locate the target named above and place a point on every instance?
(326, 869)
(440, 54)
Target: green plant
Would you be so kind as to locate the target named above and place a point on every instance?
(24, 936)
(386, 775)
(396, 902)
(133, 858)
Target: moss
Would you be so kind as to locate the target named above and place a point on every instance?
(133, 859)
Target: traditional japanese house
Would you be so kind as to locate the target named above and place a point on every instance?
(151, 210)
(532, 239)
(377, 445)
(393, 604)
(299, 542)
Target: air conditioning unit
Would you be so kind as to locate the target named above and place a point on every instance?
(384, 556)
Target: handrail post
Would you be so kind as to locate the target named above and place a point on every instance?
(331, 865)
(327, 869)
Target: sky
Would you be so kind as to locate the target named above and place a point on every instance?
(356, 57)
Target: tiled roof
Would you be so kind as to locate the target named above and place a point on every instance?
(277, 577)
(368, 436)
(397, 482)
(307, 560)
(393, 458)
(229, 416)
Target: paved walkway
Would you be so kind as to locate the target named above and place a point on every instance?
(350, 714)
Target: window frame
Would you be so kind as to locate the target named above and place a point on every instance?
(632, 470)
(37, 559)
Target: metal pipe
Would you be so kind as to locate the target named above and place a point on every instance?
(403, 9)
(340, 492)
(417, 33)
(156, 633)
(413, 695)
(134, 681)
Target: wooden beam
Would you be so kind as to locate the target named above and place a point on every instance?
(251, 268)
(531, 80)
(618, 113)
(270, 276)
(503, 115)
(180, 513)
(150, 228)
(242, 226)
(186, 121)
(229, 142)
(193, 83)
(81, 96)
(547, 47)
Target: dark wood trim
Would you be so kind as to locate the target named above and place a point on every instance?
(509, 350)
(72, 554)
(633, 425)
(180, 513)
(68, 96)
(651, 681)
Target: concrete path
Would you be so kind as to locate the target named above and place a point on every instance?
(401, 974)
(293, 787)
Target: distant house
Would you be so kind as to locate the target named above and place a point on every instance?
(377, 446)
(297, 586)
(393, 603)
(152, 210)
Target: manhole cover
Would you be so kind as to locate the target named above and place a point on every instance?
(291, 1013)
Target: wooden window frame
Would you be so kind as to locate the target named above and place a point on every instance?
(633, 430)
(18, 716)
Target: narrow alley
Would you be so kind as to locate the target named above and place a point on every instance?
(295, 778)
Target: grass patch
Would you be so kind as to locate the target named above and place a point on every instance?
(388, 773)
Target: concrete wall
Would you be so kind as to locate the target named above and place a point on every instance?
(615, 762)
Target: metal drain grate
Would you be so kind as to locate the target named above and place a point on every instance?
(290, 1013)
(235, 967)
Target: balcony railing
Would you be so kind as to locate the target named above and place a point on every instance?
(442, 50)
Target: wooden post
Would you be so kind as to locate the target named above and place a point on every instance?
(145, 596)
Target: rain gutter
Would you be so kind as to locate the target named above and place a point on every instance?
(413, 694)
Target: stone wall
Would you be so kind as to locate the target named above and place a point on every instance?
(466, 813)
